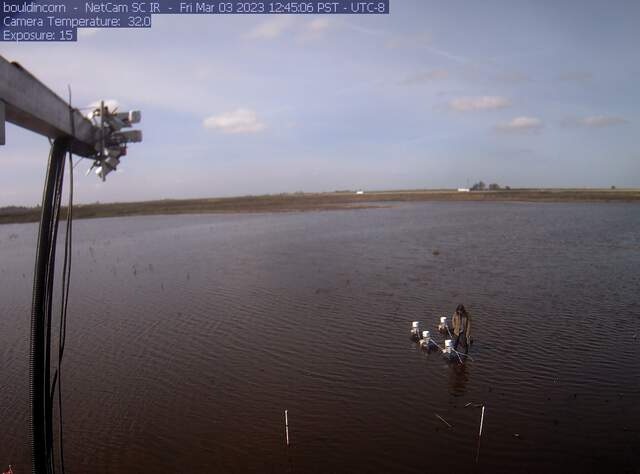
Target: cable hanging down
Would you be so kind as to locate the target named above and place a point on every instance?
(42, 385)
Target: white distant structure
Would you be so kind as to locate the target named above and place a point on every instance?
(360, 191)
(464, 190)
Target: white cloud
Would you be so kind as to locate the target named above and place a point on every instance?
(237, 121)
(319, 24)
(427, 76)
(281, 25)
(601, 121)
(272, 28)
(466, 104)
(86, 32)
(520, 124)
(314, 29)
(110, 104)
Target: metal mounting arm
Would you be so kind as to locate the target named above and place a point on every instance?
(30, 104)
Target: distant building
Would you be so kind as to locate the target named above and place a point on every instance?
(464, 190)
(360, 192)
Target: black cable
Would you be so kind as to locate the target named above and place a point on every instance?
(66, 282)
(40, 354)
(62, 330)
(42, 388)
(64, 303)
(49, 319)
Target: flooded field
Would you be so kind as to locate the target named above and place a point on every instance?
(190, 335)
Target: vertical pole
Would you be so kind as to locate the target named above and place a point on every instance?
(2, 123)
(480, 435)
(102, 111)
(286, 426)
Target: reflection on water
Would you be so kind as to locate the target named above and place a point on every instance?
(190, 335)
(458, 377)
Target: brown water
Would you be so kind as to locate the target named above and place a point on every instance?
(189, 335)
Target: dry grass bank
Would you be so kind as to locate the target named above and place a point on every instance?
(321, 201)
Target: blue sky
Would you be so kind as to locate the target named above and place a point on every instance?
(434, 95)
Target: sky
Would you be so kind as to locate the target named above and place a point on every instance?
(438, 94)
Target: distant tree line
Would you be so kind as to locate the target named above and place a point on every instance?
(481, 186)
(7, 210)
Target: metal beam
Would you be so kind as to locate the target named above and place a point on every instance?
(30, 104)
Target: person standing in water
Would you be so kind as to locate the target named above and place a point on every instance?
(462, 328)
